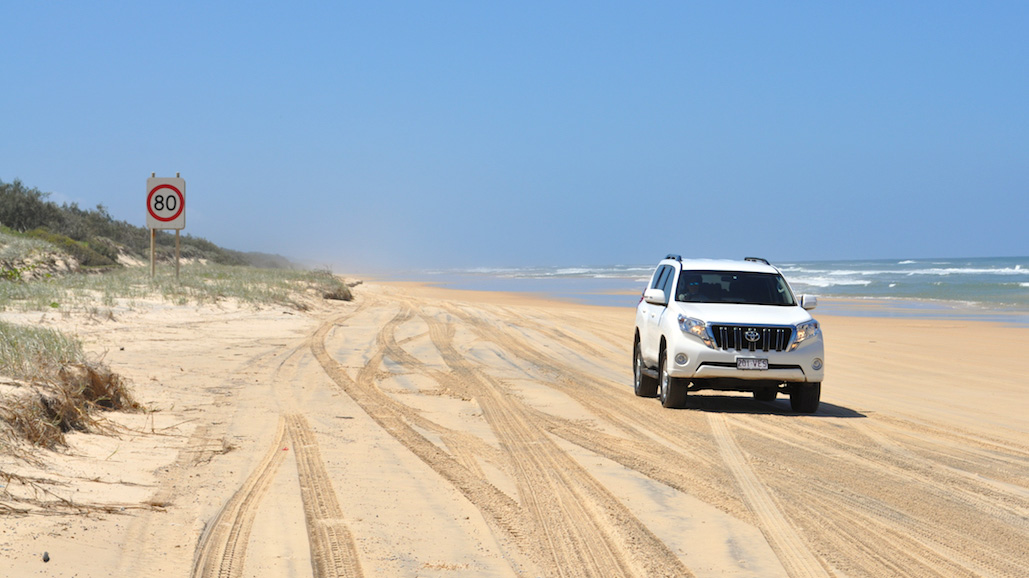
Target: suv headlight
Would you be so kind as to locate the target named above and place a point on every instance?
(697, 328)
(806, 331)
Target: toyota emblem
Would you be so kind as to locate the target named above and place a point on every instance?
(752, 335)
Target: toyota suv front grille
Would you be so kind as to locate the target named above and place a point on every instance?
(744, 338)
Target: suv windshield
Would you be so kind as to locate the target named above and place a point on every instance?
(733, 287)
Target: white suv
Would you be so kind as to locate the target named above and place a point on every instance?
(729, 326)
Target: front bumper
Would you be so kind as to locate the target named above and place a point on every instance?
(804, 364)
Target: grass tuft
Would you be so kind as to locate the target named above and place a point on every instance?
(35, 352)
(97, 386)
(335, 288)
(64, 390)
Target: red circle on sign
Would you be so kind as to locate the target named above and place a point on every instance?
(178, 193)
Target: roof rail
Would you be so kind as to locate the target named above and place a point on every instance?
(757, 260)
(674, 256)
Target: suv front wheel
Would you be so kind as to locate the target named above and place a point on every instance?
(642, 384)
(672, 391)
(804, 397)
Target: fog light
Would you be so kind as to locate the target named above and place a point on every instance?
(816, 364)
(681, 358)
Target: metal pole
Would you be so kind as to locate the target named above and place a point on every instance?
(176, 255)
(177, 176)
(152, 233)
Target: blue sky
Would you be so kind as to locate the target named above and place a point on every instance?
(462, 134)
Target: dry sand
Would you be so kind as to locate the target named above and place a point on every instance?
(425, 432)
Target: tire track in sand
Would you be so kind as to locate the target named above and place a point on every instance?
(781, 535)
(333, 551)
(903, 515)
(568, 523)
(584, 528)
(223, 544)
(498, 507)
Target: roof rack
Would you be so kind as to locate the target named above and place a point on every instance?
(674, 256)
(757, 260)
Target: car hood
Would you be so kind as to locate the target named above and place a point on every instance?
(739, 314)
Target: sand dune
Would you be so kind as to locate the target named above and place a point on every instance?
(424, 432)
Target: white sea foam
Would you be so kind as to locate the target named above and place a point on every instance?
(572, 271)
(940, 271)
(502, 271)
(1016, 270)
(828, 282)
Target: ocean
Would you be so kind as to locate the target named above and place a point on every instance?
(987, 288)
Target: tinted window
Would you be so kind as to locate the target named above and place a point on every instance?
(663, 280)
(659, 277)
(659, 274)
(733, 287)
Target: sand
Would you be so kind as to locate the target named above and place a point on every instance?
(425, 432)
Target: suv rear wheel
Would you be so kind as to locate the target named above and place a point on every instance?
(643, 385)
(672, 390)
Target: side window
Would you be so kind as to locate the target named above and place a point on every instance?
(659, 277)
(662, 279)
(667, 284)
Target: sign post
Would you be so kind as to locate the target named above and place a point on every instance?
(166, 209)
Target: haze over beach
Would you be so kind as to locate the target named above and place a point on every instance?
(479, 192)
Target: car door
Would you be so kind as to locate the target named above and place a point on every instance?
(650, 331)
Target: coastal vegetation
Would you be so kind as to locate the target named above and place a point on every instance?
(72, 261)
(96, 239)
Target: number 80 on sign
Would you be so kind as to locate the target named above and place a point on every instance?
(166, 203)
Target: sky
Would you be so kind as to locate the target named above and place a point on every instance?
(424, 135)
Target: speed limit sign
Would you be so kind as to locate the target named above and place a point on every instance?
(166, 203)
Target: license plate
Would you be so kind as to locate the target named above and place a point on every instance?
(752, 363)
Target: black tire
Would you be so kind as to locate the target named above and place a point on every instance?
(643, 385)
(804, 397)
(672, 391)
(766, 394)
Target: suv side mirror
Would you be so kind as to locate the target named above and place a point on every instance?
(655, 296)
(808, 302)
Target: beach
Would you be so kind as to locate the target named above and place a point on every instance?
(426, 431)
